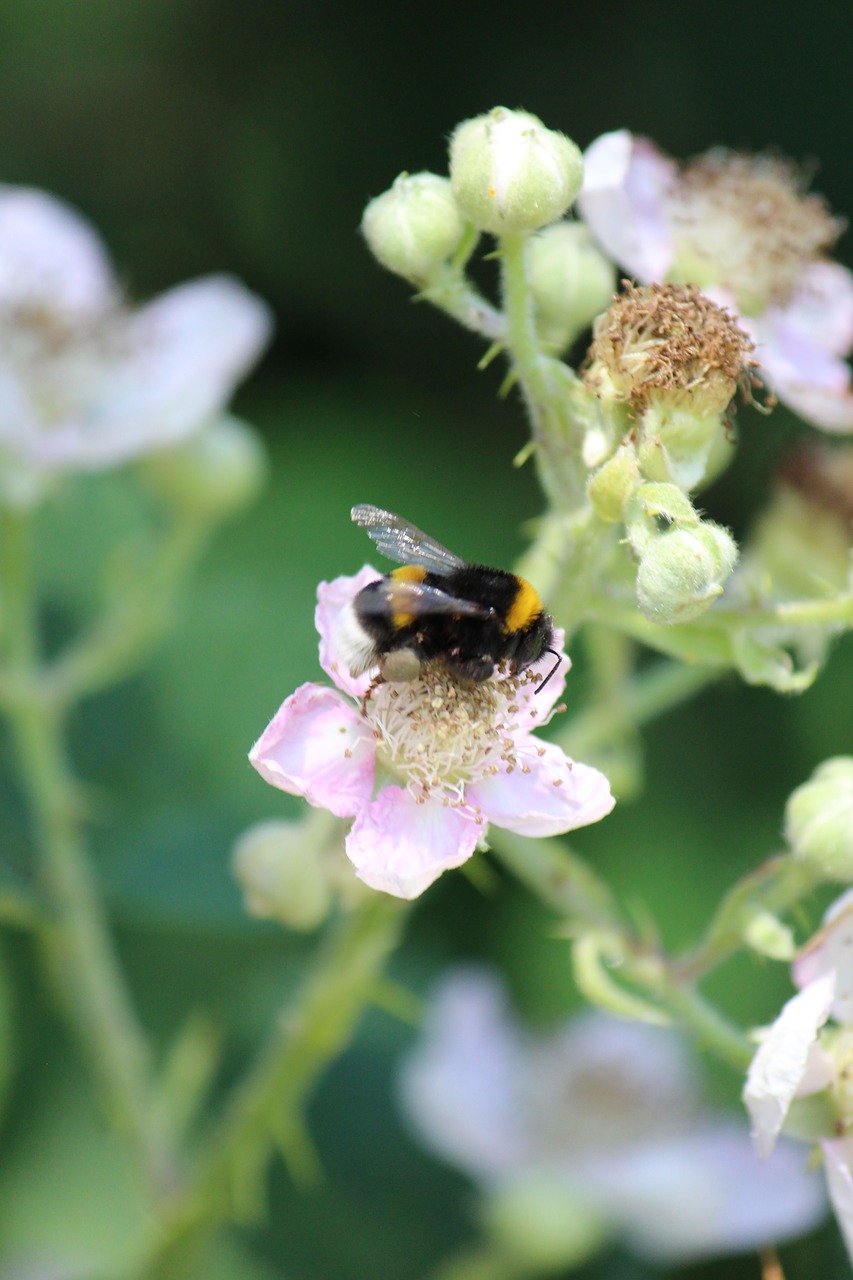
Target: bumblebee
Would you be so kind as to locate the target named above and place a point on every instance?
(437, 608)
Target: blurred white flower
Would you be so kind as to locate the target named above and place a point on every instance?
(86, 380)
(602, 1116)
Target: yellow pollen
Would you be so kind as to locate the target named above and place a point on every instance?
(438, 734)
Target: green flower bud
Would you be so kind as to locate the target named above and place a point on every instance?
(413, 228)
(613, 484)
(652, 505)
(571, 282)
(684, 447)
(542, 1225)
(768, 936)
(215, 473)
(682, 571)
(819, 820)
(281, 868)
(509, 173)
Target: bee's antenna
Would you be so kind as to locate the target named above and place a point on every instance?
(545, 679)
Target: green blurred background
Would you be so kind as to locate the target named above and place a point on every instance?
(203, 135)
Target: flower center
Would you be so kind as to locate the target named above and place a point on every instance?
(438, 733)
(743, 222)
(668, 344)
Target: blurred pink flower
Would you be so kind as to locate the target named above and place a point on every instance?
(741, 228)
(87, 381)
(602, 1116)
(425, 765)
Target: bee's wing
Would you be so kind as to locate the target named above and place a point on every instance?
(418, 599)
(401, 541)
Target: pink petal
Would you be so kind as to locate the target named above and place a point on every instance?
(317, 746)
(623, 202)
(809, 379)
(461, 1084)
(838, 1162)
(174, 366)
(779, 1067)
(51, 259)
(552, 796)
(333, 598)
(536, 701)
(401, 846)
(822, 307)
(830, 952)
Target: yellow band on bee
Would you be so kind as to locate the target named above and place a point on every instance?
(408, 573)
(525, 607)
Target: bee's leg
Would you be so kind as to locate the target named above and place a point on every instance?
(374, 685)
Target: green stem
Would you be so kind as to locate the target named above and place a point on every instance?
(834, 611)
(558, 878)
(123, 638)
(774, 887)
(266, 1107)
(76, 937)
(564, 883)
(713, 1031)
(643, 698)
(547, 383)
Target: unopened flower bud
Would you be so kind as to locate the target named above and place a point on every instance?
(281, 868)
(690, 449)
(654, 506)
(571, 282)
(536, 1222)
(682, 571)
(215, 473)
(613, 484)
(509, 173)
(415, 226)
(819, 820)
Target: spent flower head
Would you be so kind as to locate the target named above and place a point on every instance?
(743, 229)
(670, 346)
(423, 766)
(604, 1119)
(88, 381)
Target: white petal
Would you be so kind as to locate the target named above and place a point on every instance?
(838, 1162)
(780, 1064)
(460, 1085)
(400, 846)
(623, 203)
(51, 259)
(172, 367)
(544, 795)
(830, 951)
(334, 602)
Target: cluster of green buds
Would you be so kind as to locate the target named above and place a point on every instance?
(647, 421)
(508, 174)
